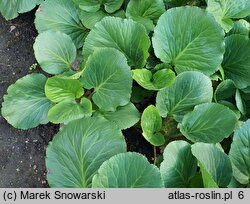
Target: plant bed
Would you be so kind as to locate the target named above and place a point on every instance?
(22, 152)
(170, 74)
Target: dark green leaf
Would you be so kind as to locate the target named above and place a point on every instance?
(145, 12)
(224, 90)
(25, 105)
(111, 79)
(215, 165)
(240, 153)
(236, 62)
(189, 38)
(124, 35)
(54, 51)
(10, 8)
(178, 166)
(190, 89)
(209, 123)
(77, 151)
(61, 15)
(241, 27)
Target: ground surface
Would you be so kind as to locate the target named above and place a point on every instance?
(22, 153)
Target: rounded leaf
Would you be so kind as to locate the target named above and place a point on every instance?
(124, 116)
(190, 89)
(145, 11)
(159, 80)
(25, 105)
(111, 79)
(58, 89)
(54, 51)
(127, 170)
(77, 151)
(124, 35)
(215, 165)
(69, 110)
(236, 63)
(196, 45)
(241, 27)
(240, 153)
(61, 15)
(226, 10)
(151, 124)
(208, 123)
(10, 8)
(178, 166)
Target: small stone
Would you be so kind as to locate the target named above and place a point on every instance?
(12, 28)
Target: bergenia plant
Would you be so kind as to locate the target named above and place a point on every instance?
(178, 71)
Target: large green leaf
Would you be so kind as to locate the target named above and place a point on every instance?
(94, 5)
(209, 123)
(159, 80)
(61, 15)
(54, 51)
(240, 153)
(151, 124)
(190, 89)
(124, 116)
(111, 79)
(236, 63)
(25, 105)
(69, 110)
(196, 45)
(124, 35)
(226, 10)
(145, 11)
(78, 150)
(58, 89)
(10, 8)
(215, 165)
(127, 170)
(178, 166)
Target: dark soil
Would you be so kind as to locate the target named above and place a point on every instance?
(22, 153)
